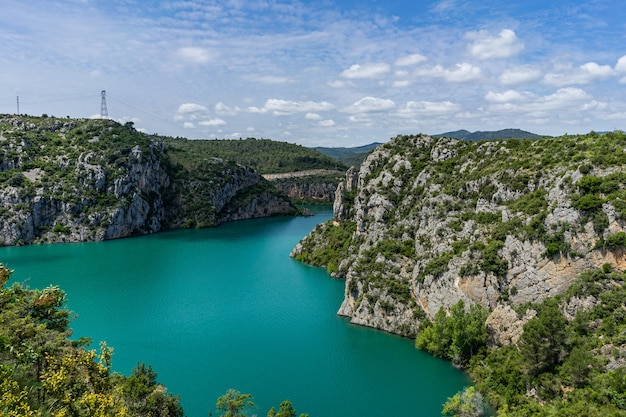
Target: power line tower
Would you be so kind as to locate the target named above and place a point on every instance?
(104, 113)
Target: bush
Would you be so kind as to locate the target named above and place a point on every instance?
(588, 202)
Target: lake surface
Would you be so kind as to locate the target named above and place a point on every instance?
(227, 308)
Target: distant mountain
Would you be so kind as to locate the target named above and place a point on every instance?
(489, 135)
(349, 156)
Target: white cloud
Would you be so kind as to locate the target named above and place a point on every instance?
(460, 73)
(186, 108)
(445, 6)
(336, 84)
(212, 122)
(408, 60)
(463, 72)
(327, 123)
(312, 116)
(370, 104)
(188, 125)
(506, 97)
(401, 83)
(487, 46)
(564, 99)
(286, 107)
(224, 110)
(620, 67)
(194, 54)
(565, 96)
(365, 71)
(427, 108)
(520, 75)
(584, 74)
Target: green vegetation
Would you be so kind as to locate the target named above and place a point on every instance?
(236, 404)
(264, 155)
(79, 177)
(559, 367)
(349, 156)
(468, 403)
(476, 197)
(615, 240)
(44, 373)
(337, 239)
(472, 212)
(457, 336)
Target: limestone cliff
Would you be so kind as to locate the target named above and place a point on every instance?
(67, 180)
(311, 186)
(436, 220)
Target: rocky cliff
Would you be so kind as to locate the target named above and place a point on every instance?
(311, 186)
(434, 220)
(66, 180)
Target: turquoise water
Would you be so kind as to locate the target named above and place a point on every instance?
(227, 308)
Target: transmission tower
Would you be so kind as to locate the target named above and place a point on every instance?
(104, 113)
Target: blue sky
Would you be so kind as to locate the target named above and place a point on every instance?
(319, 73)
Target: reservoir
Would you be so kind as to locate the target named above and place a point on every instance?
(224, 308)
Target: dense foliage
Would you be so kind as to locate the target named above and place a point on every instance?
(44, 373)
(264, 155)
(456, 336)
(336, 238)
(568, 361)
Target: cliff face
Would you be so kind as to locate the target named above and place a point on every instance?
(497, 223)
(312, 186)
(64, 180)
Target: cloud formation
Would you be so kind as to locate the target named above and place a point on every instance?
(365, 71)
(314, 72)
(487, 46)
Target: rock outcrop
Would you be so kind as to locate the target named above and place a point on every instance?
(312, 186)
(85, 180)
(497, 223)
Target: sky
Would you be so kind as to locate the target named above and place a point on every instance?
(319, 73)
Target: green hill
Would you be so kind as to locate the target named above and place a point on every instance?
(489, 135)
(264, 155)
(349, 156)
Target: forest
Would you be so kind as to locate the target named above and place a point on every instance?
(263, 155)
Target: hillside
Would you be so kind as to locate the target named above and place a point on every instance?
(434, 220)
(304, 174)
(506, 257)
(489, 135)
(263, 155)
(349, 156)
(67, 180)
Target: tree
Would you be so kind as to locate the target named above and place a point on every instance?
(234, 403)
(457, 336)
(468, 403)
(542, 343)
(468, 331)
(145, 397)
